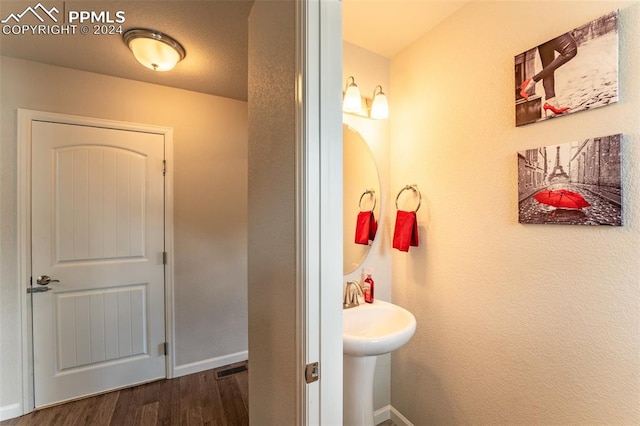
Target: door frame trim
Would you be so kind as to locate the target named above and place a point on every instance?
(25, 118)
(319, 209)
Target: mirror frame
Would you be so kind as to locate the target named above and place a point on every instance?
(360, 174)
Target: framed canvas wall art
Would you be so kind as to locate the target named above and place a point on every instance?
(573, 72)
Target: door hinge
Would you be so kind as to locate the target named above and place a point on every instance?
(164, 167)
(164, 257)
(312, 372)
(165, 348)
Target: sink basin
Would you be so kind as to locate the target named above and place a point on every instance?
(376, 328)
(369, 330)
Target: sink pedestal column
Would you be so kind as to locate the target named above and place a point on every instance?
(358, 389)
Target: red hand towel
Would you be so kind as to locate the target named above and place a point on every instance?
(366, 227)
(373, 227)
(406, 231)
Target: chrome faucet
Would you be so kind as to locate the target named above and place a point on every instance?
(351, 292)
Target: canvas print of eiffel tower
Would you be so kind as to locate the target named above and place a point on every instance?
(577, 183)
(575, 71)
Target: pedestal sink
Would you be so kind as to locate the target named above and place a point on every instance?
(369, 330)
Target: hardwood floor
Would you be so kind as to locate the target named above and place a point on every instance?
(196, 399)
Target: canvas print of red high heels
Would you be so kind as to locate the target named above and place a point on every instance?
(577, 183)
(575, 71)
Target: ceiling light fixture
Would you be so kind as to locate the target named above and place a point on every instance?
(153, 49)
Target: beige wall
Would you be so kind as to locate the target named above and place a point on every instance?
(517, 324)
(370, 70)
(210, 187)
(272, 214)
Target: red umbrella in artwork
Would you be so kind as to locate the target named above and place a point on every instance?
(562, 199)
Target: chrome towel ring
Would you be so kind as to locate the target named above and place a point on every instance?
(372, 193)
(414, 188)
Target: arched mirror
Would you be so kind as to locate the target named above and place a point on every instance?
(361, 192)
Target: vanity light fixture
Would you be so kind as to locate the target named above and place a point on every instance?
(352, 101)
(153, 49)
(380, 106)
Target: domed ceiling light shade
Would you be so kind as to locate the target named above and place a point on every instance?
(380, 106)
(153, 49)
(352, 101)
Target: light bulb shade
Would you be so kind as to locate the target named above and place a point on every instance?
(380, 106)
(153, 49)
(352, 101)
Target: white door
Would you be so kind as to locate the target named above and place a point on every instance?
(98, 227)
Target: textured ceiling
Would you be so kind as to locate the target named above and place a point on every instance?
(386, 27)
(214, 34)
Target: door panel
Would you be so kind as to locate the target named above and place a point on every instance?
(98, 228)
(100, 202)
(101, 325)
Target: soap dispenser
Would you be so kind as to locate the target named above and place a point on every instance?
(368, 288)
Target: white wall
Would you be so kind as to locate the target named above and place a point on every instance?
(517, 324)
(370, 70)
(210, 186)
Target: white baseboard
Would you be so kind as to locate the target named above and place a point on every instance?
(399, 419)
(10, 411)
(208, 364)
(388, 412)
(381, 414)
